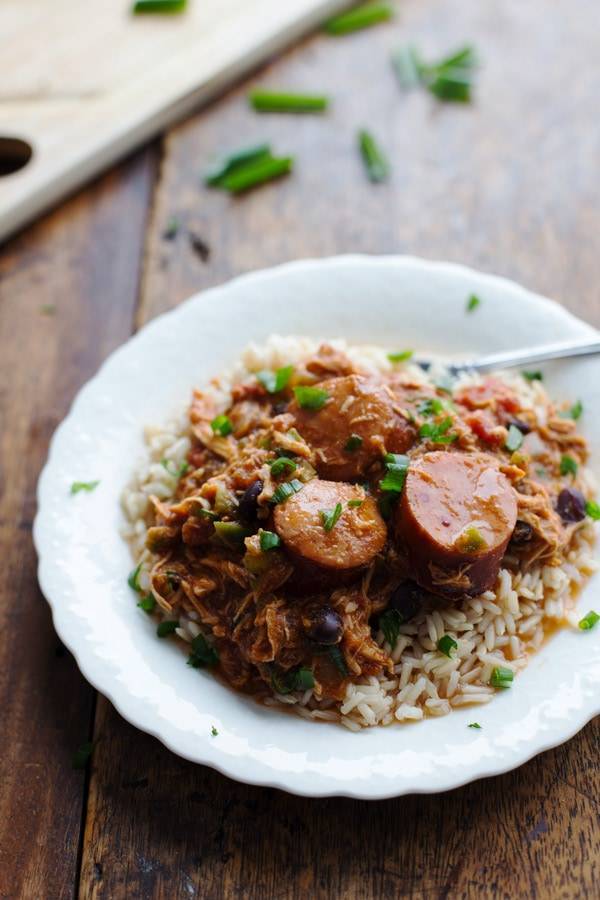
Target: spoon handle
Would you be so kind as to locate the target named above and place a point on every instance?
(529, 356)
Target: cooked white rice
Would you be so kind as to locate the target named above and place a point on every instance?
(499, 628)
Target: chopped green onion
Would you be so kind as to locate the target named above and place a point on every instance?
(256, 173)
(390, 622)
(82, 755)
(437, 433)
(471, 540)
(221, 425)
(376, 164)
(568, 466)
(446, 645)
(474, 725)
(501, 677)
(269, 540)
(282, 464)
(159, 6)
(304, 679)
(231, 532)
(337, 658)
(401, 356)
(396, 465)
(203, 654)
(589, 620)
(286, 490)
(208, 513)
(448, 84)
(433, 406)
(277, 101)
(213, 731)
(363, 16)
(407, 67)
(132, 579)
(593, 510)
(88, 486)
(533, 376)
(514, 439)
(147, 603)
(449, 79)
(296, 680)
(353, 443)
(176, 472)
(330, 516)
(574, 412)
(164, 629)
(235, 161)
(276, 381)
(310, 397)
(354, 504)
(473, 302)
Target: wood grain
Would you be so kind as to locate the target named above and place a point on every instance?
(67, 294)
(508, 185)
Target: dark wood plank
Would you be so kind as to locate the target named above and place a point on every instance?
(509, 185)
(68, 290)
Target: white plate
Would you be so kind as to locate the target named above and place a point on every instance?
(396, 302)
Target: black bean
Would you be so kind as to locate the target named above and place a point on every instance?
(523, 427)
(325, 627)
(407, 598)
(571, 505)
(248, 505)
(523, 533)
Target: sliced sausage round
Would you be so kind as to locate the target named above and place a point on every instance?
(357, 425)
(315, 544)
(455, 518)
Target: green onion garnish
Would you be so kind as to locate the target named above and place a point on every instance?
(363, 16)
(450, 78)
(514, 439)
(172, 469)
(88, 486)
(471, 540)
(295, 680)
(231, 532)
(396, 465)
(310, 397)
(337, 658)
(269, 540)
(446, 645)
(354, 504)
(259, 172)
(574, 412)
(473, 302)
(589, 620)
(207, 513)
(501, 677)
(221, 425)
(593, 510)
(330, 516)
(568, 466)
(158, 6)
(407, 66)
(376, 164)
(437, 433)
(284, 491)
(304, 679)
(278, 101)
(213, 731)
(147, 603)
(282, 464)
(82, 755)
(276, 381)
(203, 654)
(533, 376)
(235, 161)
(474, 725)
(390, 622)
(164, 629)
(430, 407)
(401, 356)
(132, 579)
(353, 443)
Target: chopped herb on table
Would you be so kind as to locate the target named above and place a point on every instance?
(396, 465)
(269, 540)
(533, 376)
(286, 490)
(376, 164)
(221, 425)
(589, 621)
(235, 161)
(363, 16)
(568, 466)
(502, 677)
(401, 356)
(82, 755)
(329, 517)
(280, 101)
(257, 173)
(593, 510)
(449, 79)
(274, 382)
(159, 6)
(473, 302)
(447, 645)
(353, 443)
(87, 486)
(514, 439)
(310, 397)
(390, 622)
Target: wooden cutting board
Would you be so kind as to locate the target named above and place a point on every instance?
(83, 83)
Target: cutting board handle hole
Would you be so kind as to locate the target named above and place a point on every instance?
(14, 155)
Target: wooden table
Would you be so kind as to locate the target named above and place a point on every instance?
(508, 184)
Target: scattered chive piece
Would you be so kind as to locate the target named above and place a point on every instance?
(88, 486)
(568, 466)
(593, 510)
(501, 677)
(407, 67)
(574, 412)
(304, 679)
(159, 6)
(236, 160)
(361, 17)
(269, 540)
(514, 439)
(282, 464)
(437, 433)
(48, 309)
(273, 382)
(446, 645)
(433, 406)
(376, 164)
(589, 620)
(533, 376)
(203, 654)
(278, 101)
(330, 516)
(259, 172)
(299, 680)
(473, 302)
(471, 540)
(353, 443)
(132, 579)
(221, 425)
(214, 731)
(354, 504)
(178, 471)
(401, 356)
(284, 491)
(231, 532)
(147, 603)
(390, 623)
(474, 725)
(208, 513)
(311, 397)
(396, 465)
(82, 755)
(450, 78)
(172, 228)
(164, 629)
(337, 658)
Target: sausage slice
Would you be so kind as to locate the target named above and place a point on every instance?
(353, 541)
(455, 518)
(358, 424)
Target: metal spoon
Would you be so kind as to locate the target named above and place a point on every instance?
(514, 358)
